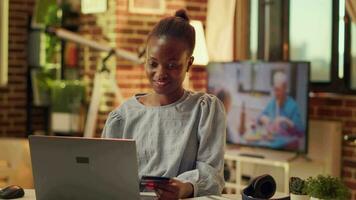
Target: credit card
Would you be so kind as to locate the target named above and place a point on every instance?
(150, 182)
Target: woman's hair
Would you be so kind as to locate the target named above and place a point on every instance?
(176, 26)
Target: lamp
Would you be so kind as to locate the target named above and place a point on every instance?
(200, 52)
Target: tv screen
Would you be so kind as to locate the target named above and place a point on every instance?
(265, 102)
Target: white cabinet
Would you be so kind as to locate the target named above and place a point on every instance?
(240, 164)
(324, 150)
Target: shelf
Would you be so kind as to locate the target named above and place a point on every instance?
(267, 160)
(261, 161)
(231, 185)
(234, 185)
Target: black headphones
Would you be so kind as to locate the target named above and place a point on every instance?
(261, 187)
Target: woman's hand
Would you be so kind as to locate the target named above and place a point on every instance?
(174, 190)
(280, 120)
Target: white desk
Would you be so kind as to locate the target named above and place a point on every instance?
(30, 195)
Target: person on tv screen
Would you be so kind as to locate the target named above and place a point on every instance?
(282, 115)
(179, 134)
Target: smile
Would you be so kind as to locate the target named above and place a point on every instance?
(161, 83)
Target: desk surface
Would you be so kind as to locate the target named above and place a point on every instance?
(30, 195)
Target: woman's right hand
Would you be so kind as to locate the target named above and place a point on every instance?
(174, 190)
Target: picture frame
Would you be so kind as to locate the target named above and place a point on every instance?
(4, 35)
(147, 6)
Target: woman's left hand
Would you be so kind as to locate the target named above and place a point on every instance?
(174, 190)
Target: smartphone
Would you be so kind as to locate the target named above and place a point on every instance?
(150, 182)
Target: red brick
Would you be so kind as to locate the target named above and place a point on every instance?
(13, 106)
(204, 2)
(18, 23)
(350, 124)
(17, 82)
(143, 32)
(199, 17)
(346, 173)
(151, 23)
(4, 123)
(333, 102)
(343, 113)
(96, 31)
(349, 145)
(174, 7)
(350, 103)
(349, 163)
(16, 46)
(135, 22)
(325, 112)
(348, 152)
(3, 89)
(351, 184)
(124, 30)
(16, 133)
(311, 111)
(325, 101)
(193, 8)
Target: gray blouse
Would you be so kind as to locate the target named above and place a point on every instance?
(184, 139)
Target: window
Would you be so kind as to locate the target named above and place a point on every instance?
(253, 29)
(311, 36)
(318, 31)
(353, 56)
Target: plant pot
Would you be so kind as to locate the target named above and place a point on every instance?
(314, 198)
(299, 197)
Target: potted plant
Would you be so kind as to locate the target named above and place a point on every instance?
(298, 189)
(327, 187)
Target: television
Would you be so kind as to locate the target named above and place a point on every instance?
(266, 103)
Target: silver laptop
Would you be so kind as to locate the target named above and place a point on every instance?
(82, 168)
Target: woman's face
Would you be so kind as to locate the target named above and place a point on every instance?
(167, 61)
(280, 93)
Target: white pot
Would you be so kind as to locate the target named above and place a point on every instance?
(299, 197)
(313, 198)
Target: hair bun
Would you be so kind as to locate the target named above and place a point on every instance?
(182, 14)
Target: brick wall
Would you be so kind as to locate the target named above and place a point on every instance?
(13, 97)
(341, 108)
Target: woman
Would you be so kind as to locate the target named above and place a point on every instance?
(179, 134)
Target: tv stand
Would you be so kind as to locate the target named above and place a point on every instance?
(324, 149)
(300, 155)
(255, 158)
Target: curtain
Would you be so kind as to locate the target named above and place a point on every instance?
(220, 29)
(351, 9)
(242, 30)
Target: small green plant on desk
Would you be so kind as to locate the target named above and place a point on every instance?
(298, 189)
(327, 187)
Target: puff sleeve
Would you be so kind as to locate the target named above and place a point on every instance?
(114, 126)
(207, 178)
